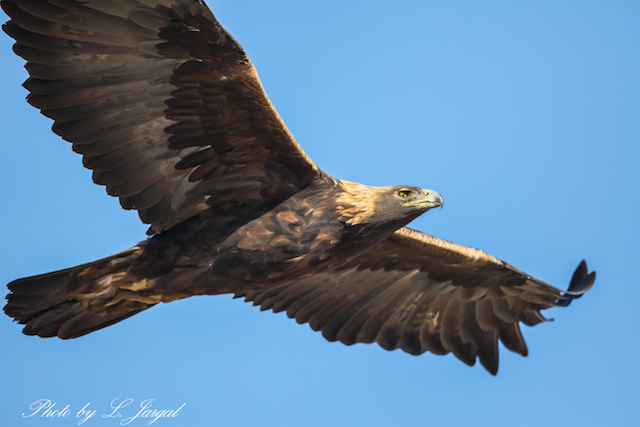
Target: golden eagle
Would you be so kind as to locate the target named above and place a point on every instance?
(168, 111)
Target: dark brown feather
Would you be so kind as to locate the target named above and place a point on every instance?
(420, 293)
(163, 78)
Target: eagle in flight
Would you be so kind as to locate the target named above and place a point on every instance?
(168, 112)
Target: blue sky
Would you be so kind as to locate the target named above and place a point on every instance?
(525, 117)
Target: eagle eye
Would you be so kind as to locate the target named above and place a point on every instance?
(404, 194)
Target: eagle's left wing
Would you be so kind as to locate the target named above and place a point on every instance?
(164, 105)
(420, 293)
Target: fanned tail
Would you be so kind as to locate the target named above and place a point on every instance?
(76, 301)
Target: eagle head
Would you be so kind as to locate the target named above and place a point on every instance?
(360, 204)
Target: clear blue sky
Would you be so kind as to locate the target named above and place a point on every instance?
(525, 116)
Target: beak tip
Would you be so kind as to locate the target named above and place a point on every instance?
(434, 198)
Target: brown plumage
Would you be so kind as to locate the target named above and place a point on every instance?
(168, 111)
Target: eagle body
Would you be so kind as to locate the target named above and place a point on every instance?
(167, 110)
(321, 228)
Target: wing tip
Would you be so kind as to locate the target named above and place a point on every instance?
(581, 282)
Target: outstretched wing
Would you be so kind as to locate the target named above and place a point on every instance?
(420, 293)
(163, 104)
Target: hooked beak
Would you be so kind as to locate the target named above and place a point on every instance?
(431, 199)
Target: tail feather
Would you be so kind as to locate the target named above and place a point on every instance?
(33, 294)
(73, 320)
(70, 303)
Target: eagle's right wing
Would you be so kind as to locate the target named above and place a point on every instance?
(420, 293)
